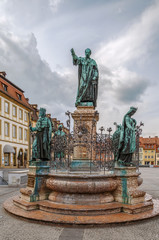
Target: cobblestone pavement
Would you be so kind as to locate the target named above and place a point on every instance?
(12, 228)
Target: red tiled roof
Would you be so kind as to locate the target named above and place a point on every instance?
(153, 142)
(12, 91)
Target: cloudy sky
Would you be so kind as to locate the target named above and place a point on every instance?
(35, 41)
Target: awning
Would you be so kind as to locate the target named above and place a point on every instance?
(8, 149)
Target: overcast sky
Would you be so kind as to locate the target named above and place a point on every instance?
(35, 41)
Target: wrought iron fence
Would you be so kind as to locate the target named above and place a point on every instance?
(98, 147)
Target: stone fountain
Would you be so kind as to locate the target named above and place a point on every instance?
(80, 193)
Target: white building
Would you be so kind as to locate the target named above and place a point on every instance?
(14, 123)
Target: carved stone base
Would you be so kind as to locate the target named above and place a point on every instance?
(128, 182)
(36, 187)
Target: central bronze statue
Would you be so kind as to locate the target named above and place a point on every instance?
(87, 79)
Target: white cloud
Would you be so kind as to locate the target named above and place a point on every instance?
(21, 61)
(134, 43)
(121, 86)
(119, 59)
(54, 4)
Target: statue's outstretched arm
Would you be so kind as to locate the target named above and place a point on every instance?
(74, 56)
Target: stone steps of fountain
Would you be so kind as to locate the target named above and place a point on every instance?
(54, 218)
(83, 210)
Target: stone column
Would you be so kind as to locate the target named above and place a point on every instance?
(127, 184)
(85, 121)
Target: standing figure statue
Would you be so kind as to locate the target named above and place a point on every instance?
(87, 79)
(41, 144)
(115, 140)
(126, 139)
(59, 143)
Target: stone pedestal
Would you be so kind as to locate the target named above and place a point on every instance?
(85, 121)
(128, 182)
(36, 186)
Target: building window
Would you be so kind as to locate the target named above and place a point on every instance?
(140, 157)
(157, 155)
(25, 135)
(20, 133)
(6, 129)
(145, 151)
(14, 111)
(148, 156)
(20, 158)
(25, 157)
(147, 163)
(19, 96)
(6, 107)
(20, 113)
(7, 159)
(5, 87)
(151, 156)
(145, 156)
(14, 131)
(26, 116)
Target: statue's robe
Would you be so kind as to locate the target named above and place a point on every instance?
(87, 80)
(61, 142)
(127, 143)
(41, 145)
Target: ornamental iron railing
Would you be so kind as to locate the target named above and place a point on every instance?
(98, 147)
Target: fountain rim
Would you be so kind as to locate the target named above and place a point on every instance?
(81, 175)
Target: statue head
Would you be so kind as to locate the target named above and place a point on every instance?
(60, 127)
(88, 52)
(132, 111)
(42, 112)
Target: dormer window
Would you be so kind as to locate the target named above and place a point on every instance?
(5, 87)
(19, 96)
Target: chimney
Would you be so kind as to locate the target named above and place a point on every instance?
(3, 74)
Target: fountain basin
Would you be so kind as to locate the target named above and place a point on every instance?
(80, 188)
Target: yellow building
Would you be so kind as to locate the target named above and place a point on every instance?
(14, 123)
(148, 150)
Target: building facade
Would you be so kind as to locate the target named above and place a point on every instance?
(14, 125)
(149, 151)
